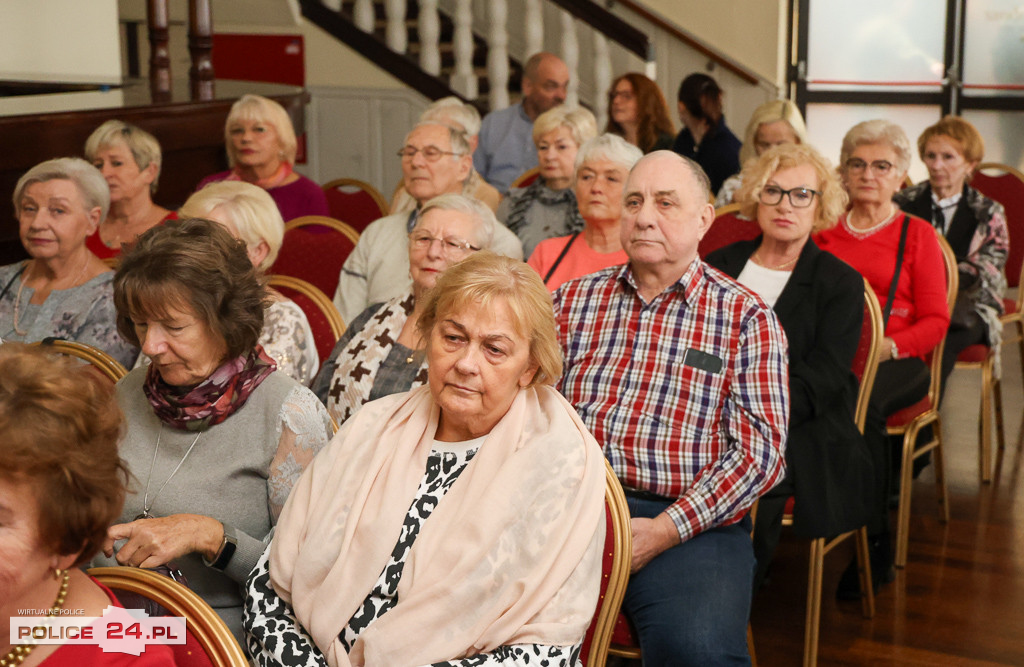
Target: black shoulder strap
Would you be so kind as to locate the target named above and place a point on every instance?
(896, 273)
(558, 261)
(10, 282)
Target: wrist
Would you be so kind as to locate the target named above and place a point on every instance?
(211, 538)
(225, 549)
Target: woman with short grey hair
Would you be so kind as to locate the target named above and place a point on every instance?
(381, 353)
(63, 290)
(602, 165)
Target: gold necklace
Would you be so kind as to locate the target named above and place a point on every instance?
(17, 299)
(778, 267)
(18, 653)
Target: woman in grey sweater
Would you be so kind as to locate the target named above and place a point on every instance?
(215, 438)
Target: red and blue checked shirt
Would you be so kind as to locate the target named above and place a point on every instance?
(643, 378)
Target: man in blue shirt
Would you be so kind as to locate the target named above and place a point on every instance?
(506, 147)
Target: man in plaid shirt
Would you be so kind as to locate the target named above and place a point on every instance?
(681, 375)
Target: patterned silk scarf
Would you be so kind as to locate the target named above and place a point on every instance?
(268, 183)
(214, 399)
(359, 362)
(537, 191)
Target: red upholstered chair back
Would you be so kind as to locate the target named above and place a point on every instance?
(356, 202)
(727, 228)
(323, 317)
(615, 560)
(314, 249)
(1005, 185)
(526, 178)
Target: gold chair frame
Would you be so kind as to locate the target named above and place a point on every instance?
(618, 576)
(316, 295)
(374, 193)
(928, 417)
(821, 546)
(327, 221)
(208, 628)
(110, 368)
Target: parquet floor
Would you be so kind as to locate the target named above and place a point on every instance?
(960, 600)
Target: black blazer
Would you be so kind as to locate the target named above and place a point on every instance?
(821, 310)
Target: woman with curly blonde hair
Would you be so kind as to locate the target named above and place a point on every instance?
(792, 192)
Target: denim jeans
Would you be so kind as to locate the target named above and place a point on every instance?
(691, 604)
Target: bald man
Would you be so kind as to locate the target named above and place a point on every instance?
(681, 375)
(506, 147)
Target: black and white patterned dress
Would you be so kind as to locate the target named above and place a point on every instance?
(275, 637)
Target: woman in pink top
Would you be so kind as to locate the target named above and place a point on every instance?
(602, 165)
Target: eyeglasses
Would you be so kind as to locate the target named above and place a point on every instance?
(450, 247)
(881, 167)
(430, 153)
(799, 197)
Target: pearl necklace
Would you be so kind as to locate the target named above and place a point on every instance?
(21, 288)
(18, 653)
(868, 231)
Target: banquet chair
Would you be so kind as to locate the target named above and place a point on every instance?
(314, 249)
(526, 178)
(982, 356)
(1005, 185)
(107, 366)
(354, 201)
(324, 320)
(727, 228)
(615, 560)
(208, 639)
(909, 421)
(865, 365)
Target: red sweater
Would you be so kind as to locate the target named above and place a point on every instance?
(919, 317)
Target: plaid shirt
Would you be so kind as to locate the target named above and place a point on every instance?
(688, 394)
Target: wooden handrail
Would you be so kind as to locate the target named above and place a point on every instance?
(610, 25)
(729, 64)
(370, 47)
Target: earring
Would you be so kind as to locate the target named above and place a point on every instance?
(58, 573)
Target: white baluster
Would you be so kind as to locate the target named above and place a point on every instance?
(602, 78)
(396, 35)
(363, 15)
(651, 70)
(430, 32)
(534, 27)
(571, 56)
(497, 54)
(464, 80)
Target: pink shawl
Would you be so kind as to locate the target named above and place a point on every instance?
(511, 555)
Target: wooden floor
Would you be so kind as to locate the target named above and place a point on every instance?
(960, 600)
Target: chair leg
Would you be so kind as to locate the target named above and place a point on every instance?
(864, 567)
(939, 462)
(750, 646)
(815, 570)
(997, 390)
(1020, 342)
(985, 423)
(903, 513)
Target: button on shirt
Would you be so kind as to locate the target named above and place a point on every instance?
(714, 439)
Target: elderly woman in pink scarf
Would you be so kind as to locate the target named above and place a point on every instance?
(460, 523)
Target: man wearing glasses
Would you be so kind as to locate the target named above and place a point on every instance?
(435, 161)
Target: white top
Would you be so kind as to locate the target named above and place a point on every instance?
(766, 283)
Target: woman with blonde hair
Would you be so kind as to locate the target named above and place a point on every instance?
(547, 207)
(250, 214)
(772, 124)
(457, 524)
(129, 159)
(261, 147)
(793, 192)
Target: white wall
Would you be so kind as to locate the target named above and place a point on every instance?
(69, 41)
